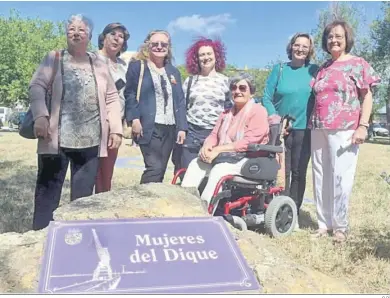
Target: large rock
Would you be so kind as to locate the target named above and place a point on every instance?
(20, 253)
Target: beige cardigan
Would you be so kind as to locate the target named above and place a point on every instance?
(109, 102)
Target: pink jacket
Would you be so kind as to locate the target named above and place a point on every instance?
(256, 130)
(109, 102)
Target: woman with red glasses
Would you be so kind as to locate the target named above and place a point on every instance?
(245, 123)
(155, 104)
(207, 92)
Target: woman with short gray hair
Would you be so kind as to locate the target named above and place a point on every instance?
(75, 125)
(245, 123)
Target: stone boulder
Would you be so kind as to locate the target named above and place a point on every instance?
(20, 254)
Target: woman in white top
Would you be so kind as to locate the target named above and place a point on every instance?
(112, 43)
(207, 94)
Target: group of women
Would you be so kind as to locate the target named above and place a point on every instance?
(93, 94)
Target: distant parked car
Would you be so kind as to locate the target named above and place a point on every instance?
(380, 130)
(16, 119)
(4, 114)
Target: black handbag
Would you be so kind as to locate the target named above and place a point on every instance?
(26, 129)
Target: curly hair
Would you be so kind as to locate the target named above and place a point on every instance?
(192, 60)
(143, 50)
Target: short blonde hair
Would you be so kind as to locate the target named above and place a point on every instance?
(143, 51)
(310, 55)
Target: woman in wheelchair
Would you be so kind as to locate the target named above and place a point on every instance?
(224, 150)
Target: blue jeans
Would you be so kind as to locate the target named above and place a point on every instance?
(183, 154)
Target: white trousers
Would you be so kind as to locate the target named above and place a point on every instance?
(198, 169)
(334, 166)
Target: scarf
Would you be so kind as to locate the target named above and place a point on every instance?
(238, 126)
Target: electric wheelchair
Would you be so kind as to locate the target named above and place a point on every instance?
(253, 199)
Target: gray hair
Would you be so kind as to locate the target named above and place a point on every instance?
(244, 76)
(80, 17)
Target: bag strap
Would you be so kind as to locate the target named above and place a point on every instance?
(188, 91)
(279, 75)
(141, 76)
(55, 68)
(49, 91)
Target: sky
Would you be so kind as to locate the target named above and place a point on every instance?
(254, 33)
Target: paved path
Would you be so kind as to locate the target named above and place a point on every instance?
(130, 163)
(133, 162)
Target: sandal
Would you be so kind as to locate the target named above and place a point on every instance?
(339, 237)
(320, 233)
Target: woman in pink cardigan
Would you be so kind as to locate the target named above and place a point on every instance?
(245, 123)
(82, 119)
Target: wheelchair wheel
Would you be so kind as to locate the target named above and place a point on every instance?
(280, 216)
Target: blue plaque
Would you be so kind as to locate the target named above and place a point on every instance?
(154, 256)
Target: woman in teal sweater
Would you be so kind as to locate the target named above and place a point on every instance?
(288, 91)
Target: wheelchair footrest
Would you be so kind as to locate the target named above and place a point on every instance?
(222, 195)
(254, 219)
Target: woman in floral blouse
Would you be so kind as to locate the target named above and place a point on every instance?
(343, 104)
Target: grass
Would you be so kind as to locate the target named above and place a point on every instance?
(364, 261)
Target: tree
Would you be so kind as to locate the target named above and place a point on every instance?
(183, 72)
(380, 35)
(23, 44)
(259, 77)
(349, 13)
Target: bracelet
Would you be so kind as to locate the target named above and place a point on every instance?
(364, 125)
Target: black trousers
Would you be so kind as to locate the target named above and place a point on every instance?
(297, 159)
(156, 154)
(51, 175)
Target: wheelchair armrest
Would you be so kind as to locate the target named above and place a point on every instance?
(266, 148)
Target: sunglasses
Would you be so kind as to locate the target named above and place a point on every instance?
(156, 44)
(242, 88)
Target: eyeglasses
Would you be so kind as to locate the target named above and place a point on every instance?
(337, 37)
(242, 88)
(298, 46)
(156, 44)
(165, 92)
(72, 31)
